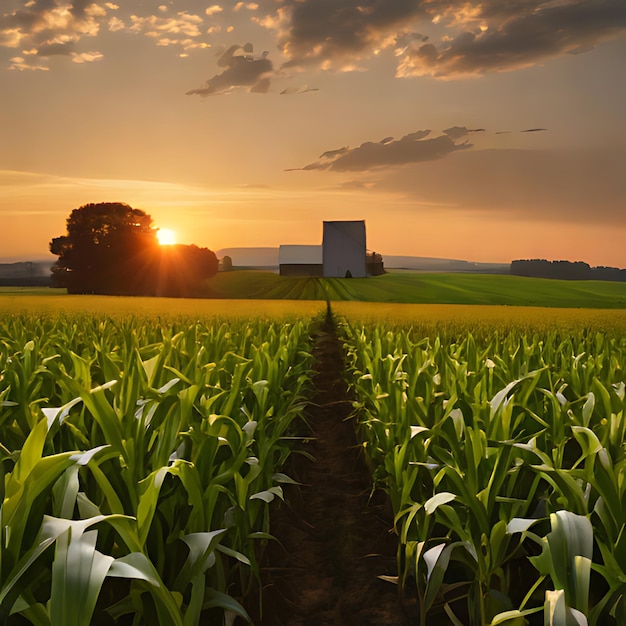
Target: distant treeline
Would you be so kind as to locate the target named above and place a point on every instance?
(25, 274)
(566, 270)
(34, 281)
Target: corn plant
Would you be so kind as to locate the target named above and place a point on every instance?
(468, 433)
(140, 459)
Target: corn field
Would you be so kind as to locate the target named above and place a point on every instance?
(139, 459)
(502, 451)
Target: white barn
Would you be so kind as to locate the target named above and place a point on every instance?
(300, 260)
(343, 254)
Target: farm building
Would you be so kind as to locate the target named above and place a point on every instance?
(343, 253)
(300, 260)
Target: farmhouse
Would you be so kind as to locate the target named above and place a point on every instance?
(343, 254)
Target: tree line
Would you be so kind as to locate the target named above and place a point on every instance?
(111, 248)
(565, 270)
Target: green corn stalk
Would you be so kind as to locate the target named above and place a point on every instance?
(186, 427)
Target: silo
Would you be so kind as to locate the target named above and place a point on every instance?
(344, 249)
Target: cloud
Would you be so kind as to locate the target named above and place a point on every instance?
(20, 64)
(55, 27)
(250, 6)
(526, 130)
(46, 28)
(412, 148)
(582, 186)
(512, 35)
(213, 9)
(87, 57)
(184, 24)
(242, 70)
(331, 154)
(56, 48)
(456, 132)
(337, 33)
(296, 90)
(440, 38)
(116, 24)
(183, 29)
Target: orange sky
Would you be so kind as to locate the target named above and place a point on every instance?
(487, 133)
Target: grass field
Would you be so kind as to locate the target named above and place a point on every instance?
(423, 288)
(398, 286)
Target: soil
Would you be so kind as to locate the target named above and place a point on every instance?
(336, 536)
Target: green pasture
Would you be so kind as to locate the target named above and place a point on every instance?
(397, 286)
(424, 288)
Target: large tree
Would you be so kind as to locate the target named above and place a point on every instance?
(111, 248)
(182, 270)
(107, 249)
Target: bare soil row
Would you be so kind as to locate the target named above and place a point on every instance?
(335, 535)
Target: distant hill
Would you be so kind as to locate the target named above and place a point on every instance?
(26, 273)
(267, 258)
(429, 264)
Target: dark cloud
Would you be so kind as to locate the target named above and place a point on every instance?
(412, 148)
(583, 186)
(79, 7)
(53, 49)
(457, 132)
(479, 35)
(330, 32)
(242, 70)
(439, 38)
(29, 16)
(521, 36)
(526, 130)
(296, 90)
(51, 28)
(331, 154)
(42, 15)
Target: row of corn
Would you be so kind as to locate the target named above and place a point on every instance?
(503, 455)
(139, 459)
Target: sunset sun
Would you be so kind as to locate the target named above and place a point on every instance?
(166, 237)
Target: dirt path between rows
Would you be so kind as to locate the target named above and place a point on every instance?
(336, 539)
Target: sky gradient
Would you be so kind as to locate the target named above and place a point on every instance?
(480, 130)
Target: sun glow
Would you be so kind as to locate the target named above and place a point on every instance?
(166, 237)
